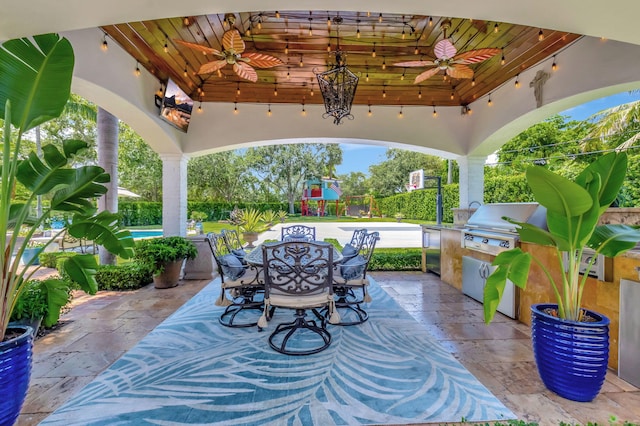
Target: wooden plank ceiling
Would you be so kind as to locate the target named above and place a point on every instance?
(302, 39)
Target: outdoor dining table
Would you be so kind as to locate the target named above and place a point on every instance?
(254, 257)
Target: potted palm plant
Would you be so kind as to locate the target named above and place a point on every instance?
(165, 257)
(34, 88)
(250, 225)
(570, 343)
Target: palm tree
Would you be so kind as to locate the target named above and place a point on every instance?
(617, 120)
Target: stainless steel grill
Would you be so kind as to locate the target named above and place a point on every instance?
(486, 232)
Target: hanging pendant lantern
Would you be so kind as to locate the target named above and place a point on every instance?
(338, 86)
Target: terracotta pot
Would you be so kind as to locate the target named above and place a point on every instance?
(170, 276)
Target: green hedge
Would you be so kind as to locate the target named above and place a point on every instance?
(129, 276)
(50, 259)
(396, 259)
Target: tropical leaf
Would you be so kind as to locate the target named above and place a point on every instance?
(232, 41)
(511, 265)
(612, 240)
(444, 49)
(612, 169)
(36, 77)
(460, 71)
(556, 193)
(414, 64)
(260, 60)
(425, 75)
(57, 295)
(82, 270)
(201, 48)
(245, 71)
(475, 56)
(212, 66)
(103, 229)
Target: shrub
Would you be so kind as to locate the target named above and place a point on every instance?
(155, 252)
(43, 299)
(50, 259)
(396, 259)
(129, 276)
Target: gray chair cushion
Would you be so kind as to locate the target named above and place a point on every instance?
(232, 267)
(240, 254)
(349, 252)
(353, 268)
(297, 237)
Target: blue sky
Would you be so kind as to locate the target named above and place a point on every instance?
(358, 158)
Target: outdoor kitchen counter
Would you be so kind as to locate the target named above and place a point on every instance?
(601, 296)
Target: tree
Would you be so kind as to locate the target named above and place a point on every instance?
(219, 176)
(139, 166)
(552, 142)
(391, 176)
(286, 167)
(354, 183)
(619, 125)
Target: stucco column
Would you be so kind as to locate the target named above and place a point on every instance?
(108, 160)
(174, 194)
(471, 181)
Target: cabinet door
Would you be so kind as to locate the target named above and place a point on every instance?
(629, 340)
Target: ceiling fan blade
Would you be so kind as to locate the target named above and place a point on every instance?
(444, 49)
(475, 56)
(414, 64)
(260, 60)
(459, 71)
(245, 71)
(212, 66)
(425, 75)
(231, 40)
(199, 47)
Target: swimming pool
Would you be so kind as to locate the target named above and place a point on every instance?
(145, 233)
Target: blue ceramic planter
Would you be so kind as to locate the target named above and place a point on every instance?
(571, 356)
(15, 370)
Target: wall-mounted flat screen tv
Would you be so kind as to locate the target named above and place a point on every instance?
(176, 107)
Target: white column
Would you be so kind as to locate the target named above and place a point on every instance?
(174, 194)
(108, 160)
(471, 181)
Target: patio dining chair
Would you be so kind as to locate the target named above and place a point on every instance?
(232, 241)
(298, 233)
(241, 287)
(352, 248)
(299, 275)
(350, 284)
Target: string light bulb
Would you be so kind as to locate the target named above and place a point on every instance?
(328, 22)
(185, 72)
(137, 71)
(311, 93)
(384, 64)
(400, 115)
(269, 111)
(275, 89)
(380, 18)
(328, 47)
(430, 21)
(489, 103)
(473, 81)
(105, 45)
(384, 92)
(416, 51)
(304, 111)
(200, 108)
(540, 35)
(238, 89)
(358, 29)
(517, 83)
(235, 108)
(301, 63)
(166, 47)
(403, 73)
(502, 60)
(419, 93)
(286, 48)
(554, 66)
(367, 76)
(496, 28)
(435, 113)
(277, 15)
(369, 113)
(288, 74)
(452, 95)
(373, 52)
(404, 35)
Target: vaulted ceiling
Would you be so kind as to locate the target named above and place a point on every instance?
(306, 42)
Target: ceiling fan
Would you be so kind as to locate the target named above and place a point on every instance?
(244, 63)
(453, 64)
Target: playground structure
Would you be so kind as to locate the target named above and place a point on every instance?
(320, 191)
(361, 205)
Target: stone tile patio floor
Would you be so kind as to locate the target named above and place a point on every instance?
(99, 329)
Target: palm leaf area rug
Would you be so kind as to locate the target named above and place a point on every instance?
(191, 370)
